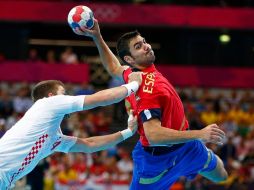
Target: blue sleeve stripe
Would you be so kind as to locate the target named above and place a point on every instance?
(148, 114)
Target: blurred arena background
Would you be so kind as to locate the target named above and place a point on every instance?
(204, 47)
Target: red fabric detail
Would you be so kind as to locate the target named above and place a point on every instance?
(156, 92)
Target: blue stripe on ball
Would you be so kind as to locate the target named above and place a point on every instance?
(75, 25)
(89, 23)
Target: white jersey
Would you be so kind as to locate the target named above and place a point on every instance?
(35, 136)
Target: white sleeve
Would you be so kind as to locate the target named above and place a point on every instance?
(66, 143)
(63, 104)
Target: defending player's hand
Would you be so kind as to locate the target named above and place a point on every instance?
(132, 122)
(213, 134)
(94, 32)
(135, 76)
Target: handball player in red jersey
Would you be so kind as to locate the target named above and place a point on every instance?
(166, 149)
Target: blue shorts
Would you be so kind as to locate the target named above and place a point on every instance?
(160, 172)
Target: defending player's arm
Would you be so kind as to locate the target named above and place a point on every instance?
(113, 95)
(158, 135)
(97, 143)
(109, 60)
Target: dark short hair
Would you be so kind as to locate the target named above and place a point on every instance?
(123, 43)
(43, 88)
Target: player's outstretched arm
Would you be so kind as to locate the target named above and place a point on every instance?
(109, 60)
(97, 143)
(113, 95)
(157, 134)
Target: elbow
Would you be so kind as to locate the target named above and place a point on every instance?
(152, 139)
(94, 147)
(114, 70)
(85, 145)
(152, 130)
(153, 142)
(90, 148)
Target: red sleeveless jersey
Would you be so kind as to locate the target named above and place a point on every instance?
(156, 92)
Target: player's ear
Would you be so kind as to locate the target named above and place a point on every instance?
(128, 59)
(50, 94)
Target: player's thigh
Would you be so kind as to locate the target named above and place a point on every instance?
(218, 174)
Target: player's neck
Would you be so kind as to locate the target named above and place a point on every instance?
(143, 67)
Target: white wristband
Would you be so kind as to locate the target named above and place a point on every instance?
(126, 133)
(132, 87)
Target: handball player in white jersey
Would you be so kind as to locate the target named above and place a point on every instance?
(38, 134)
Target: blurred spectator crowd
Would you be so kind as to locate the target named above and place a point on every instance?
(67, 56)
(54, 56)
(233, 110)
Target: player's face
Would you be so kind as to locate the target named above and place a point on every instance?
(60, 90)
(141, 52)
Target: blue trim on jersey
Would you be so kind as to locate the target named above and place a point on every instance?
(148, 114)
